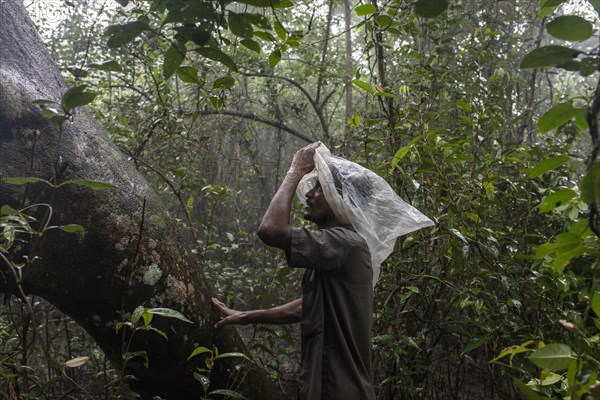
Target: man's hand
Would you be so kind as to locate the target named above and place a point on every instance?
(304, 159)
(229, 316)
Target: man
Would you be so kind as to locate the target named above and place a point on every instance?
(335, 311)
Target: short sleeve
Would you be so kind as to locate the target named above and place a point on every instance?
(323, 249)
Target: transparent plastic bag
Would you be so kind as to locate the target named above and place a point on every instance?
(362, 198)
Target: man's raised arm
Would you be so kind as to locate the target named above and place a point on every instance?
(285, 314)
(275, 229)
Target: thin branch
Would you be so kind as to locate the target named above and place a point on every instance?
(265, 121)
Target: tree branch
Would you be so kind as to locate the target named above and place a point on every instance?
(265, 121)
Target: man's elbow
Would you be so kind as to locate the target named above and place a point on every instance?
(273, 235)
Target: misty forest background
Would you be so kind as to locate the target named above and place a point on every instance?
(482, 114)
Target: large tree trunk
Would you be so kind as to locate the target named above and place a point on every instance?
(130, 253)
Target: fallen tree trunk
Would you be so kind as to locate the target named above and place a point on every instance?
(130, 253)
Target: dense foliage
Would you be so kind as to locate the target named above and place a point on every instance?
(481, 114)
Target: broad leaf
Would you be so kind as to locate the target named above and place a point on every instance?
(274, 58)
(239, 26)
(167, 312)
(556, 199)
(365, 9)
(251, 44)
(547, 165)
(280, 30)
(120, 35)
(225, 82)
(555, 117)
(173, 58)
(363, 85)
(218, 56)
(590, 185)
(528, 392)
(571, 28)
(76, 97)
(199, 350)
(188, 74)
(554, 357)
(227, 393)
(589, 65)
(267, 3)
(72, 228)
(596, 304)
(430, 8)
(548, 56)
(190, 12)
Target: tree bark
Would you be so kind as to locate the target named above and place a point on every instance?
(130, 254)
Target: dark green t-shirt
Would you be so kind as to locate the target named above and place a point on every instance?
(337, 306)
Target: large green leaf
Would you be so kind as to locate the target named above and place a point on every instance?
(225, 82)
(267, 3)
(365, 9)
(239, 26)
(363, 85)
(546, 165)
(188, 74)
(120, 35)
(548, 56)
(218, 56)
(430, 8)
(590, 185)
(571, 28)
(251, 44)
(529, 393)
(556, 199)
(167, 312)
(554, 357)
(274, 58)
(173, 58)
(75, 97)
(555, 117)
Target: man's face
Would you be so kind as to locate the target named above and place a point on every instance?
(317, 209)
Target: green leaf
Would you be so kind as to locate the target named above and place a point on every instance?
(280, 30)
(529, 393)
(475, 343)
(265, 36)
(547, 165)
(225, 82)
(551, 3)
(251, 44)
(199, 350)
(363, 85)
(216, 102)
(227, 393)
(137, 314)
(120, 35)
(548, 56)
(111, 65)
(556, 199)
(554, 357)
(430, 8)
(173, 58)
(589, 65)
(239, 26)
(595, 304)
(23, 180)
(135, 354)
(590, 185)
(188, 74)
(571, 28)
(169, 313)
(94, 185)
(43, 101)
(274, 58)
(580, 115)
(76, 97)
(365, 9)
(218, 56)
(72, 228)
(383, 21)
(258, 20)
(400, 154)
(556, 117)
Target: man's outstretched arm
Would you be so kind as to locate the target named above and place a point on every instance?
(285, 314)
(275, 229)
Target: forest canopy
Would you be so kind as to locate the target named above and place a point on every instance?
(482, 114)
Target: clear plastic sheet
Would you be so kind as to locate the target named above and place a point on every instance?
(362, 198)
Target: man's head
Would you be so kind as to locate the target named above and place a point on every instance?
(317, 208)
